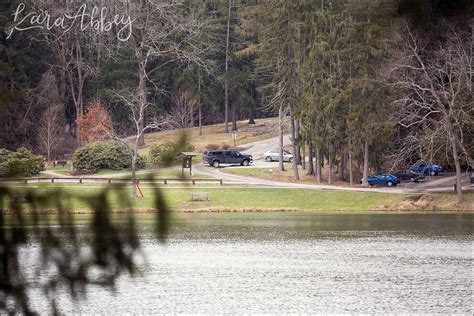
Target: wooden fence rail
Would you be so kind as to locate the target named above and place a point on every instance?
(108, 180)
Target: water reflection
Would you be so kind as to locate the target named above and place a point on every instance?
(298, 262)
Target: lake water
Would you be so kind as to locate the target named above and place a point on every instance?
(298, 262)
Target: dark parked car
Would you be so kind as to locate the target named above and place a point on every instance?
(426, 168)
(383, 179)
(472, 177)
(409, 175)
(229, 157)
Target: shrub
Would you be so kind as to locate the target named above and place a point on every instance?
(167, 153)
(105, 155)
(21, 162)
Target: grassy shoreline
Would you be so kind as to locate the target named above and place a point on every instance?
(74, 199)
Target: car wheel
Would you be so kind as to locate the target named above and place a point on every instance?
(245, 163)
(269, 159)
(433, 173)
(216, 163)
(390, 183)
(290, 160)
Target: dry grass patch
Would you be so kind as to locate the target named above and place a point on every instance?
(214, 134)
(432, 202)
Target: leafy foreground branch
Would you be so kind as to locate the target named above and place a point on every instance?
(66, 263)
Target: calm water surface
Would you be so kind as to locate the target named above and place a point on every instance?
(297, 262)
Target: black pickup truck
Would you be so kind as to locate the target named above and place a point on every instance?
(229, 157)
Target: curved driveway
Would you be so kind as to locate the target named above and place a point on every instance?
(256, 149)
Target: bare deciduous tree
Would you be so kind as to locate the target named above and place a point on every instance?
(164, 32)
(437, 101)
(78, 51)
(51, 130)
(52, 123)
(183, 112)
(133, 101)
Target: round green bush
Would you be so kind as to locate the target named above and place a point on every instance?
(20, 163)
(105, 155)
(167, 153)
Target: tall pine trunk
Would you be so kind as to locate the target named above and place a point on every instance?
(296, 175)
(199, 101)
(303, 157)
(234, 117)
(342, 164)
(281, 166)
(365, 176)
(351, 174)
(319, 173)
(297, 152)
(226, 81)
(310, 159)
(252, 108)
(330, 164)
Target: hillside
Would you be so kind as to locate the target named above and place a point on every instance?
(214, 134)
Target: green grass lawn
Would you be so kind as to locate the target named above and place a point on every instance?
(249, 172)
(225, 198)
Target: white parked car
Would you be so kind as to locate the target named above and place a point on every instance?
(274, 155)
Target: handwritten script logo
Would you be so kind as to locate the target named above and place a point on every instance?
(95, 19)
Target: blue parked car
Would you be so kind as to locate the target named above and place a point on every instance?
(383, 179)
(425, 168)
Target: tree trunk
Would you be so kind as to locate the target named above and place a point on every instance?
(134, 175)
(234, 117)
(226, 82)
(142, 100)
(342, 164)
(457, 164)
(199, 101)
(365, 176)
(281, 166)
(330, 164)
(351, 175)
(252, 108)
(303, 158)
(297, 138)
(310, 159)
(319, 175)
(295, 147)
